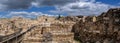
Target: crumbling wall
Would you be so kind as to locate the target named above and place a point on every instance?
(106, 28)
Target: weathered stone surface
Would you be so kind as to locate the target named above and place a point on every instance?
(104, 29)
(56, 32)
(71, 18)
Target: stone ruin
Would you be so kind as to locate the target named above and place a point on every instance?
(104, 28)
(56, 32)
(7, 27)
(48, 29)
(11, 26)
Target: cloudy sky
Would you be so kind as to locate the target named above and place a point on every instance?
(34, 8)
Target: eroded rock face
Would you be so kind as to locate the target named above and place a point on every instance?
(106, 29)
(71, 18)
(6, 27)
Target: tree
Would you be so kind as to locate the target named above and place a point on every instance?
(59, 16)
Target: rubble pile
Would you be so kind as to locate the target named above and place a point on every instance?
(51, 30)
(6, 27)
(47, 29)
(104, 28)
(12, 25)
(71, 18)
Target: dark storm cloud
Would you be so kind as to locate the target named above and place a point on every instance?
(54, 2)
(15, 4)
(24, 4)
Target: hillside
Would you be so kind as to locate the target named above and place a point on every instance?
(104, 28)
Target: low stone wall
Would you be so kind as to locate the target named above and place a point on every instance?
(62, 36)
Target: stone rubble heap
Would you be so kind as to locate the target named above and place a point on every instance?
(9, 26)
(51, 30)
(6, 27)
(104, 28)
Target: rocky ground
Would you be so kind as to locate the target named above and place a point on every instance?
(55, 32)
(104, 28)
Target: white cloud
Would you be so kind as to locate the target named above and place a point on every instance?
(84, 8)
(26, 14)
(72, 7)
(35, 4)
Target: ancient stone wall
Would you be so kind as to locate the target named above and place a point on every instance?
(105, 29)
(51, 30)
